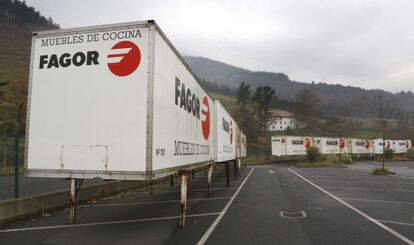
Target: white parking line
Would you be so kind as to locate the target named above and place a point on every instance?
(373, 200)
(197, 184)
(198, 190)
(395, 222)
(178, 191)
(104, 223)
(145, 203)
(222, 213)
(364, 189)
(365, 182)
(366, 216)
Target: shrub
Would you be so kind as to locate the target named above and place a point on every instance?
(312, 154)
(380, 171)
(388, 153)
(410, 153)
(346, 158)
(332, 158)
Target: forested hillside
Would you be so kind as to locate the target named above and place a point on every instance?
(336, 99)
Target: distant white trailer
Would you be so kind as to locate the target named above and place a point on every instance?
(332, 145)
(225, 135)
(296, 145)
(401, 146)
(278, 145)
(360, 146)
(377, 146)
(290, 145)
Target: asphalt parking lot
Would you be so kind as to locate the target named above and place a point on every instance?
(342, 206)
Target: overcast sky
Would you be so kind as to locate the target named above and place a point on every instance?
(360, 43)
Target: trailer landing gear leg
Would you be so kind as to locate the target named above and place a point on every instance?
(235, 169)
(192, 174)
(151, 187)
(73, 199)
(228, 174)
(183, 206)
(172, 180)
(210, 173)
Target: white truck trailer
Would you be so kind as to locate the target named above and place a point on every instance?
(360, 146)
(224, 137)
(331, 145)
(290, 145)
(115, 102)
(377, 146)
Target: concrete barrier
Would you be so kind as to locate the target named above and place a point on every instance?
(27, 206)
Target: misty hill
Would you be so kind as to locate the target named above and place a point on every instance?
(336, 99)
(17, 22)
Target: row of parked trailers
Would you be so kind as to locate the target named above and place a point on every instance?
(119, 102)
(297, 145)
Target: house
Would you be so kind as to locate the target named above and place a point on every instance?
(280, 120)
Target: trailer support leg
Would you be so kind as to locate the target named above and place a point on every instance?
(73, 199)
(210, 174)
(228, 174)
(151, 187)
(183, 206)
(235, 168)
(172, 180)
(192, 174)
(72, 217)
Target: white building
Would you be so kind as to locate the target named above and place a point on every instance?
(280, 120)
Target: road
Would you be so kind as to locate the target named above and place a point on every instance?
(342, 206)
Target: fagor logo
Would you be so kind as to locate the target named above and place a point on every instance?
(125, 58)
(341, 143)
(205, 123)
(187, 100)
(367, 145)
(307, 143)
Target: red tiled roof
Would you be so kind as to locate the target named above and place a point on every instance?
(273, 112)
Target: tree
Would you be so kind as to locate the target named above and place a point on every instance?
(383, 111)
(261, 99)
(334, 127)
(306, 108)
(243, 112)
(14, 100)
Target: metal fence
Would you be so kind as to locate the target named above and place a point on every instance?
(25, 186)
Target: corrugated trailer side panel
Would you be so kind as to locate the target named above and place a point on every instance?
(225, 147)
(87, 105)
(183, 113)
